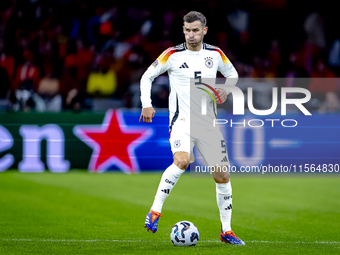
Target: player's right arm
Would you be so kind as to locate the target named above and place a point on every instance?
(158, 67)
(147, 114)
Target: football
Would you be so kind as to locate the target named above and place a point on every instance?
(184, 233)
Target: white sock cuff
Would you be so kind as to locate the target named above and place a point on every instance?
(176, 171)
(223, 188)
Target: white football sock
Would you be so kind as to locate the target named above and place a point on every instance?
(224, 202)
(168, 181)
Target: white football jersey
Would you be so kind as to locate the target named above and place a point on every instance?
(183, 64)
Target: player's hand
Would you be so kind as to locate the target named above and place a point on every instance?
(223, 95)
(147, 114)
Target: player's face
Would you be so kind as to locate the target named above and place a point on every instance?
(194, 33)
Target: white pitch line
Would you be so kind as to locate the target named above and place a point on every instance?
(136, 241)
(302, 242)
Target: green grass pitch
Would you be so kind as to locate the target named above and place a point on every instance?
(82, 213)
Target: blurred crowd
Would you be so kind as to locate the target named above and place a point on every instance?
(83, 54)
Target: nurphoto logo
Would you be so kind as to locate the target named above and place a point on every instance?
(239, 104)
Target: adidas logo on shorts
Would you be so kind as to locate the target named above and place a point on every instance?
(225, 159)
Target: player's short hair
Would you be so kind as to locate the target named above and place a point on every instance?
(193, 16)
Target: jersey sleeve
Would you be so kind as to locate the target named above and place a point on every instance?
(227, 69)
(158, 67)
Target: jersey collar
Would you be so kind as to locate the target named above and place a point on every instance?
(185, 46)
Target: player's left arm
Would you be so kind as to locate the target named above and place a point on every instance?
(222, 94)
(227, 69)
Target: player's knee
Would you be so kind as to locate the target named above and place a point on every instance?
(182, 163)
(222, 180)
(182, 160)
(221, 176)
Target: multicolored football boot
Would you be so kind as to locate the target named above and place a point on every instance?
(230, 237)
(151, 221)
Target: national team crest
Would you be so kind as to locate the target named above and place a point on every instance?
(177, 143)
(209, 62)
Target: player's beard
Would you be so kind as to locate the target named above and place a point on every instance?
(196, 43)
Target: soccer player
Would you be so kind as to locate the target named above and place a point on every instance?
(191, 59)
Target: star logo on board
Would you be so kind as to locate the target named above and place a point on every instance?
(113, 143)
